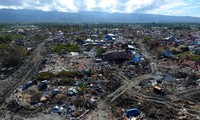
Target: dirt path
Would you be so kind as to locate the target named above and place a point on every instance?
(102, 112)
(122, 89)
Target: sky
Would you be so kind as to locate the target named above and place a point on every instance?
(163, 7)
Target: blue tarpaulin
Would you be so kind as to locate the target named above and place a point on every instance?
(136, 58)
(107, 37)
(167, 53)
(195, 43)
(133, 112)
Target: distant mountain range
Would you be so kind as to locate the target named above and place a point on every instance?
(10, 15)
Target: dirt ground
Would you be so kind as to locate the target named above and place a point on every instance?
(102, 112)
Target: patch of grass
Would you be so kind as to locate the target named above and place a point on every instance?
(11, 62)
(89, 72)
(3, 46)
(67, 81)
(146, 39)
(83, 88)
(73, 74)
(159, 50)
(67, 47)
(45, 76)
(12, 54)
(100, 51)
(80, 74)
(189, 55)
(194, 57)
(63, 73)
(5, 38)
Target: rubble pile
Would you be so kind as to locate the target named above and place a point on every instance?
(111, 74)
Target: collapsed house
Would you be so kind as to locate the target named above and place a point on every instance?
(117, 56)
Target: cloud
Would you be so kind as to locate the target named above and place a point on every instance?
(134, 5)
(90, 4)
(10, 7)
(107, 4)
(165, 7)
(68, 5)
(174, 7)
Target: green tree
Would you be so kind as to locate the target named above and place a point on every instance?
(146, 39)
(100, 51)
(67, 47)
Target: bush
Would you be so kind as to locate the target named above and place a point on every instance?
(67, 74)
(83, 88)
(80, 74)
(146, 39)
(5, 39)
(89, 73)
(67, 81)
(100, 51)
(189, 55)
(3, 46)
(67, 47)
(12, 55)
(11, 62)
(45, 76)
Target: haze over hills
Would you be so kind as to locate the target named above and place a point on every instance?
(10, 15)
